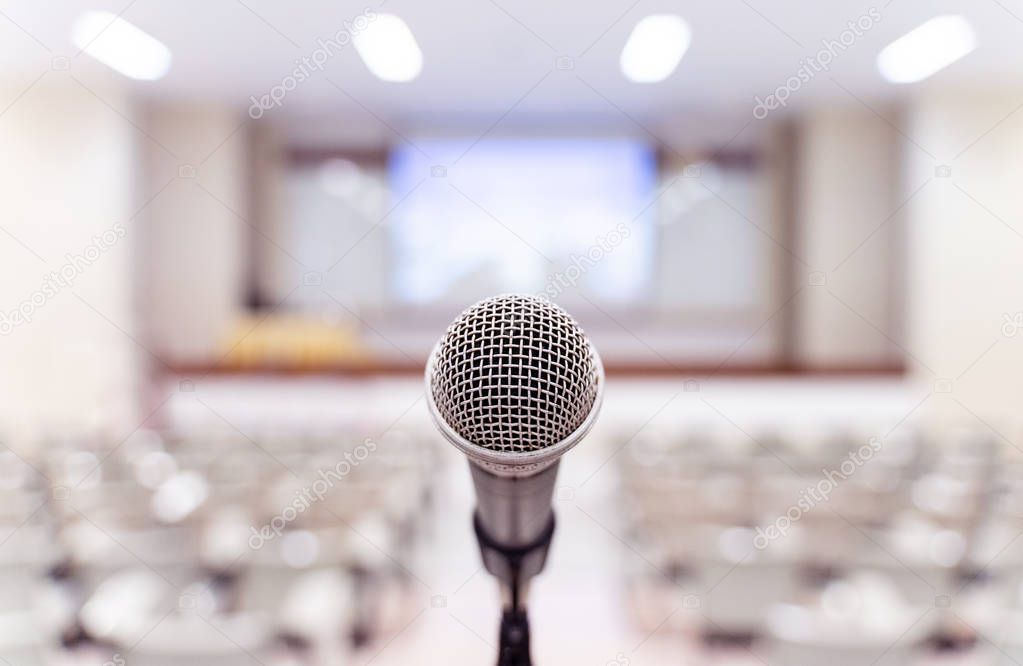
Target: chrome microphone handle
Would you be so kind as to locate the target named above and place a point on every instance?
(514, 525)
(514, 529)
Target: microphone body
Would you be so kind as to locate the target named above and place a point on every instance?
(514, 515)
(514, 383)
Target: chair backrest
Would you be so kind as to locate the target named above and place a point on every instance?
(862, 653)
(189, 640)
(26, 553)
(22, 639)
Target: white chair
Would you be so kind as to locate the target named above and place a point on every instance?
(23, 640)
(855, 621)
(26, 554)
(189, 640)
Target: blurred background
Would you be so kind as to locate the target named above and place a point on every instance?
(231, 232)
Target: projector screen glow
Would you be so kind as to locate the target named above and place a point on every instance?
(566, 218)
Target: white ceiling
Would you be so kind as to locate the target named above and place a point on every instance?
(487, 58)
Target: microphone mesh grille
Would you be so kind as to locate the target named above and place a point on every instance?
(514, 374)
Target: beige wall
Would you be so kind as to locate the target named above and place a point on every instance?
(65, 177)
(966, 256)
(847, 175)
(196, 235)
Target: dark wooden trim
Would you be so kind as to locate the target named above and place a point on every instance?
(377, 156)
(729, 158)
(361, 156)
(660, 370)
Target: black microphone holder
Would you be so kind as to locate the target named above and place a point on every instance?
(514, 642)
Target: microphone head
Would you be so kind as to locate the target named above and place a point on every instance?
(514, 383)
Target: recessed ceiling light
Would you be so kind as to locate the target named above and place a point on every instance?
(389, 49)
(655, 48)
(121, 46)
(927, 49)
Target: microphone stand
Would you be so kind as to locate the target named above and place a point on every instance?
(514, 634)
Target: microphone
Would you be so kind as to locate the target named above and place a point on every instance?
(514, 383)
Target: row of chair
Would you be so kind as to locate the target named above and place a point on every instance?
(850, 551)
(209, 548)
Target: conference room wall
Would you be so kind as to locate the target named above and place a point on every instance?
(196, 228)
(67, 179)
(847, 226)
(965, 286)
